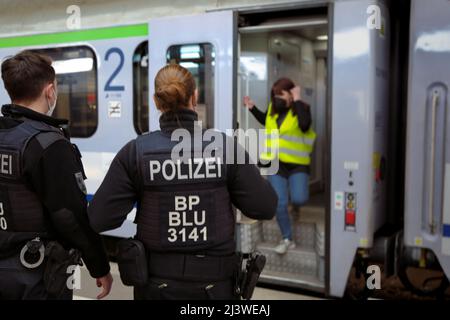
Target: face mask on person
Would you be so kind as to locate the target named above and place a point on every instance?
(51, 107)
(279, 104)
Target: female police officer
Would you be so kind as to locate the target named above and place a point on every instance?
(184, 208)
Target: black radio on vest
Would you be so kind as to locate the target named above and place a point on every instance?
(185, 246)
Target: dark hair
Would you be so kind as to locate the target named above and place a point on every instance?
(282, 84)
(26, 74)
(174, 86)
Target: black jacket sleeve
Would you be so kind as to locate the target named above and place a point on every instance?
(118, 193)
(249, 191)
(52, 174)
(259, 115)
(303, 112)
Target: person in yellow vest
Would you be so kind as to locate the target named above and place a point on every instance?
(290, 117)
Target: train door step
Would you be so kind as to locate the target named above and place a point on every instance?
(313, 215)
(304, 234)
(297, 261)
(302, 266)
(299, 266)
(308, 226)
(307, 282)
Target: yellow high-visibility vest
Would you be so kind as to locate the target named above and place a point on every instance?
(289, 143)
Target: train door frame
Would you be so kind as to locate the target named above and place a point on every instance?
(327, 172)
(328, 120)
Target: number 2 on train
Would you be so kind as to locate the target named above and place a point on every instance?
(119, 52)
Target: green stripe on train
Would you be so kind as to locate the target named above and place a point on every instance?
(137, 30)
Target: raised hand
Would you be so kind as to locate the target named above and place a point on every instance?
(248, 103)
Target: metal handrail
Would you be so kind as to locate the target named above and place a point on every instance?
(434, 104)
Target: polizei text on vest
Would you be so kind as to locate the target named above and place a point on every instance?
(192, 169)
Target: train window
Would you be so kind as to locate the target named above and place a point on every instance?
(199, 60)
(140, 88)
(76, 75)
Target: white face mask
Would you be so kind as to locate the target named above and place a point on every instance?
(51, 108)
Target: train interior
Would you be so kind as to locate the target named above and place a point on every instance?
(289, 44)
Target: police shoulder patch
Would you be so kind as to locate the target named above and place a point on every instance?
(80, 181)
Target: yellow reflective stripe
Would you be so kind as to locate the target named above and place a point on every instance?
(288, 145)
(302, 140)
(295, 146)
(296, 139)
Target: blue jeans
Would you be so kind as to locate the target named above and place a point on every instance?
(296, 187)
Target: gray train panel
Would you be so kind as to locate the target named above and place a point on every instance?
(427, 180)
(359, 125)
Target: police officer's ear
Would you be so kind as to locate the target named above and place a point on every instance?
(50, 91)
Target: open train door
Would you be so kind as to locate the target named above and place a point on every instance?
(359, 106)
(205, 45)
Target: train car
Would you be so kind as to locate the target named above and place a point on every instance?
(426, 242)
(338, 51)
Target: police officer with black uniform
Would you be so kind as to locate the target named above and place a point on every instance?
(43, 208)
(184, 218)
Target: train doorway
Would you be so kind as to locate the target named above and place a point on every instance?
(292, 44)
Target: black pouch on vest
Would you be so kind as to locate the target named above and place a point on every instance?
(61, 264)
(132, 262)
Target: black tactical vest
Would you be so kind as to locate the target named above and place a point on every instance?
(20, 208)
(185, 204)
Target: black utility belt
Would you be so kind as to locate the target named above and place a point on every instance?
(136, 266)
(192, 267)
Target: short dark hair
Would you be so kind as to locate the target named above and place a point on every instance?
(26, 74)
